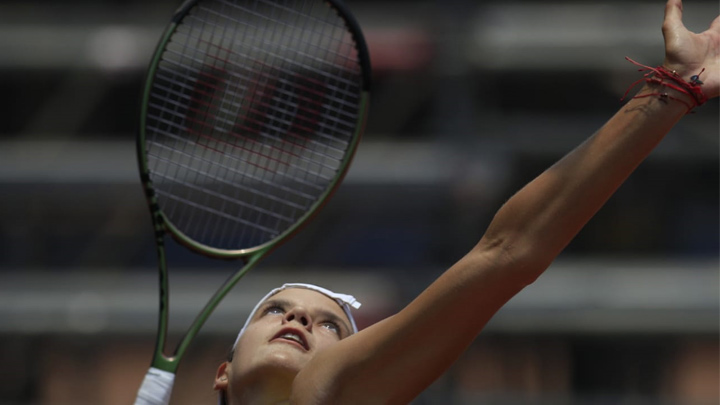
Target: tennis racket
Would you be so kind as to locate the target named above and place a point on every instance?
(251, 114)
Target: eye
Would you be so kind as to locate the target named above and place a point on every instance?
(331, 326)
(274, 310)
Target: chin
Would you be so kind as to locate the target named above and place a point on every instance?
(277, 360)
(284, 359)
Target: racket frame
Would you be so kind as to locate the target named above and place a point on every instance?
(250, 256)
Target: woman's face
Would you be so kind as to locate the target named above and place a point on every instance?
(288, 329)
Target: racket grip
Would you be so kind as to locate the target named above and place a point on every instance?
(156, 388)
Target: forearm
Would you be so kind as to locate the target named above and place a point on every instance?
(543, 217)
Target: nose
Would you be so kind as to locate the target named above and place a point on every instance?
(299, 315)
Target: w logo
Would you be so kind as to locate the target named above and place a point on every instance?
(268, 115)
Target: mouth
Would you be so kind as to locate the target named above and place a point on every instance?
(292, 336)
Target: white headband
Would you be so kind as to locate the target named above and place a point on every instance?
(345, 301)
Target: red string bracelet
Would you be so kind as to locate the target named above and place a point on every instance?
(664, 77)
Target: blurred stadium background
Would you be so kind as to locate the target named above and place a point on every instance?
(471, 100)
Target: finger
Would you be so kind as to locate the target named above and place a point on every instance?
(673, 10)
(673, 16)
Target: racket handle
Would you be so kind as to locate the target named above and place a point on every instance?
(156, 388)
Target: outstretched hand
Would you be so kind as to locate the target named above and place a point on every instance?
(688, 53)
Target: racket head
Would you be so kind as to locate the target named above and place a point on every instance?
(251, 114)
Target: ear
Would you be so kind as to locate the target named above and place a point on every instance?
(221, 377)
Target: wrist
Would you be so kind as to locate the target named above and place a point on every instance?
(669, 84)
(667, 95)
(681, 71)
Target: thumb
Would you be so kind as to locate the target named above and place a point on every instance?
(673, 16)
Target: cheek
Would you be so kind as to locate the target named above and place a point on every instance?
(246, 346)
(253, 335)
(248, 356)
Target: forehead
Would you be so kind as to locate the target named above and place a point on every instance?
(309, 299)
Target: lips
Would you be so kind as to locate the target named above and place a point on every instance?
(293, 336)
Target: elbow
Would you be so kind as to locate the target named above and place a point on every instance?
(513, 258)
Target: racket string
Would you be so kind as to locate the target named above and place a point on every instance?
(349, 104)
(241, 160)
(327, 75)
(337, 149)
(203, 160)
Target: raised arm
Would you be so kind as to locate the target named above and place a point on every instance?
(394, 360)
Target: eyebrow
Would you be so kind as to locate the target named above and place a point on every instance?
(330, 316)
